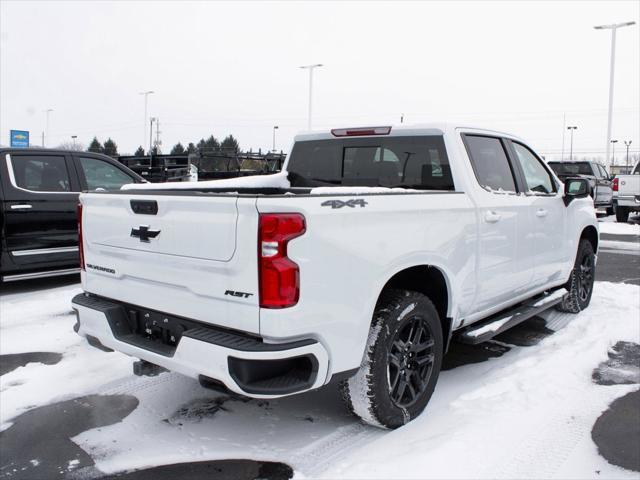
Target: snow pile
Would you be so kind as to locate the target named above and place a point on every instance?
(276, 180)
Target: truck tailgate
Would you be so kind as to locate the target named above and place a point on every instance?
(188, 255)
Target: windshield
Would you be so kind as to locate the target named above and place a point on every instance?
(411, 162)
(571, 168)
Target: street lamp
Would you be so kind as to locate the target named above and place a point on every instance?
(613, 157)
(153, 119)
(146, 95)
(627, 144)
(275, 127)
(46, 135)
(613, 27)
(73, 140)
(310, 68)
(572, 128)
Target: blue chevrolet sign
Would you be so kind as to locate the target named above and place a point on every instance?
(19, 138)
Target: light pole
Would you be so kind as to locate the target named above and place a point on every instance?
(310, 68)
(613, 156)
(153, 119)
(572, 128)
(275, 127)
(46, 136)
(146, 97)
(613, 27)
(627, 144)
(73, 140)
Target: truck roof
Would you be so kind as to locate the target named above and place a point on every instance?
(434, 128)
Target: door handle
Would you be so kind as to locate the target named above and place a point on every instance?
(22, 206)
(492, 217)
(541, 213)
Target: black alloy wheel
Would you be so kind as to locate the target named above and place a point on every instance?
(410, 362)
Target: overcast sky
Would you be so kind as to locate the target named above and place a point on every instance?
(220, 68)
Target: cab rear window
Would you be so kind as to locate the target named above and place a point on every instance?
(409, 162)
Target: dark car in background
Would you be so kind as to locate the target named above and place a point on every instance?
(38, 200)
(596, 173)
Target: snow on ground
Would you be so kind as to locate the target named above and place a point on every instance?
(610, 226)
(526, 414)
(43, 322)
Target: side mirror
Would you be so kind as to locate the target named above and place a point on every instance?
(575, 188)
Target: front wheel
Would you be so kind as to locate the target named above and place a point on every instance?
(580, 285)
(401, 363)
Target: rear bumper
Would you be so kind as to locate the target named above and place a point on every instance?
(632, 201)
(244, 364)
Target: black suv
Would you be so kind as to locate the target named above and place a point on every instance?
(38, 200)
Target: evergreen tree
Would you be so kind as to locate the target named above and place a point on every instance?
(155, 150)
(191, 148)
(178, 149)
(139, 152)
(110, 148)
(230, 145)
(211, 144)
(95, 146)
(201, 146)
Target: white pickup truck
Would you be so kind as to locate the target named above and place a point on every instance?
(626, 194)
(358, 264)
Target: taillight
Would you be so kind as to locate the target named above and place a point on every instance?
(614, 185)
(279, 276)
(80, 242)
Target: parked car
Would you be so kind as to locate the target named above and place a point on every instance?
(626, 194)
(274, 285)
(599, 179)
(39, 197)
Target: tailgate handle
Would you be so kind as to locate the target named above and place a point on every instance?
(144, 207)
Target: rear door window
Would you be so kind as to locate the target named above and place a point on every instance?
(490, 163)
(46, 173)
(419, 162)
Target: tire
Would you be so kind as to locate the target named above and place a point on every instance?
(610, 211)
(404, 349)
(622, 214)
(580, 284)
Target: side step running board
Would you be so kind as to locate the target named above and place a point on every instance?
(489, 328)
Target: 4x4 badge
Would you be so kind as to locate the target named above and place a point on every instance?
(353, 203)
(144, 233)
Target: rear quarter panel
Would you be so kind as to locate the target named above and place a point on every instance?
(348, 254)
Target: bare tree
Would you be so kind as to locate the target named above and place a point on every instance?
(74, 146)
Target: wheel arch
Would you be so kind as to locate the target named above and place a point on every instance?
(590, 233)
(431, 281)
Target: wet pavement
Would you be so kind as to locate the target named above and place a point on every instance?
(12, 361)
(38, 445)
(212, 470)
(617, 432)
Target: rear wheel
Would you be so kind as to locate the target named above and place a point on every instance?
(580, 285)
(401, 363)
(610, 210)
(622, 214)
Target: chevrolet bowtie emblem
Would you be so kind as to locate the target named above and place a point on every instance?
(144, 233)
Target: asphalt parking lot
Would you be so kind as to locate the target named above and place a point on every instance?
(70, 436)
